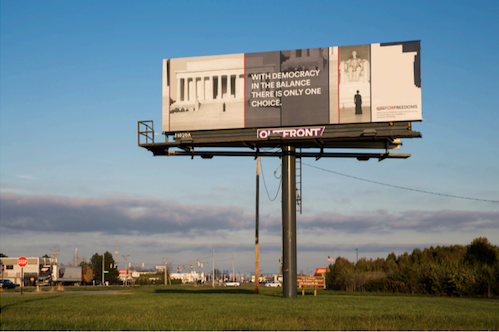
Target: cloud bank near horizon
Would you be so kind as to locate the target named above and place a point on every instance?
(127, 215)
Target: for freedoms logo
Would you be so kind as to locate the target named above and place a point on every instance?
(397, 107)
(291, 132)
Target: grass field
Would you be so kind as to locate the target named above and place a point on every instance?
(205, 308)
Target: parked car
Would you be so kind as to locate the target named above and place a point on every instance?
(94, 283)
(232, 283)
(273, 284)
(6, 283)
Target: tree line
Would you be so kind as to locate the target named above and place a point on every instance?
(471, 270)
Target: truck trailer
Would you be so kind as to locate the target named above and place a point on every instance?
(67, 275)
(59, 275)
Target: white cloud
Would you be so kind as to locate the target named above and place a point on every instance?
(28, 177)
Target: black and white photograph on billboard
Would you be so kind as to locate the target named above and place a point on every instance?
(334, 79)
(332, 85)
(205, 92)
(396, 82)
(165, 106)
(304, 87)
(263, 106)
(354, 84)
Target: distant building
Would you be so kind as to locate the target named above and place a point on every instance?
(12, 270)
(127, 274)
(189, 276)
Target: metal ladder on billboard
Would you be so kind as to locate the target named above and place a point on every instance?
(299, 202)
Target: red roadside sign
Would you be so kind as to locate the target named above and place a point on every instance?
(3, 267)
(22, 261)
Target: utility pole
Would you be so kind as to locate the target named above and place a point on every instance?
(199, 268)
(213, 272)
(76, 255)
(102, 269)
(116, 254)
(54, 252)
(233, 275)
(356, 255)
(166, 262)
(257, 253)
(126, 268)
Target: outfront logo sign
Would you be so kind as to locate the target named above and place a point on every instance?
(291, 132)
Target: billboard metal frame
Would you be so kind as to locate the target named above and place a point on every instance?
(384, 136)
(236, 142)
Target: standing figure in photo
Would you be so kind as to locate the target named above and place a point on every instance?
(358, 103)
(354, 81)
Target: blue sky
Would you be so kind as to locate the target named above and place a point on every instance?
(77, 76)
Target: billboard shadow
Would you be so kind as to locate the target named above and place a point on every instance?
(217, 290)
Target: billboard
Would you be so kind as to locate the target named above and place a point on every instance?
(307, 87)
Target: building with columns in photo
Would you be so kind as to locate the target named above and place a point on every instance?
(203, 94)
(208, 82)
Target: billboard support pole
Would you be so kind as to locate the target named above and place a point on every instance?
(257, 252)
(289, 221)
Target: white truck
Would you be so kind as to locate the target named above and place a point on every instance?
(52, 275)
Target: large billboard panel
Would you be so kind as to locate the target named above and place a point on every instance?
(318, 86)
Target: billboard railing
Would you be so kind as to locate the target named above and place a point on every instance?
(146, 129)
(384, 136)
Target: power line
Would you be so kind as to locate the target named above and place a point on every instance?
(265, 184)
(404, 188)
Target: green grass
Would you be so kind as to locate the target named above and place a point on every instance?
(204, 308)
